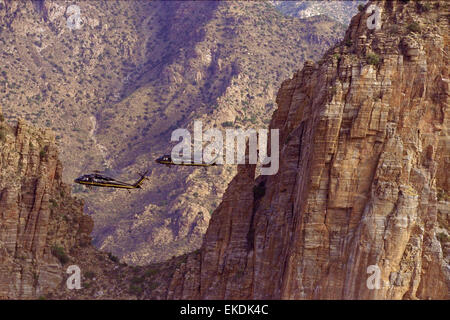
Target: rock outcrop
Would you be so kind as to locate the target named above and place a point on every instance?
(363, 182)
(39, 221)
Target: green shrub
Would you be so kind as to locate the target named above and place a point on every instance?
(442, 237)
(150, 272)
(89, 274)
(43, 153)
(112, 257)
(413, 27)
(153, 285)
(442, 195)
(259, 191)
(135, 289)
(53, 202)
(137, 280)
(59, 253)
(394, 29)
(373, 59)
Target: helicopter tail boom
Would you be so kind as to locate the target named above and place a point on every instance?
(140, 181)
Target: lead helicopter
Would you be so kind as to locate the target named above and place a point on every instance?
(99, 180)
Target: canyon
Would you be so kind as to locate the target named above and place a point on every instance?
(363, 179)
(363, 184)
(114, 90)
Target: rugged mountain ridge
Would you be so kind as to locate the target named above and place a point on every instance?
(363, 178)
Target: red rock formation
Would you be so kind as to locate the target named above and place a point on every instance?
(364, 146)
(37, 214)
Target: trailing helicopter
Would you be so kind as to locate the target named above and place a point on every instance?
(99, 180)
(167, 160)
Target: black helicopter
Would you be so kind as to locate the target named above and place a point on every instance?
(99, 180)
(167, 160)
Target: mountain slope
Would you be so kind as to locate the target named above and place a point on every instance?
(341, 11)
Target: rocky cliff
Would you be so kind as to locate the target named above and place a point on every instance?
(39, 222)
(363, 182)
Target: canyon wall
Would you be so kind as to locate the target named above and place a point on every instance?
(39, 221)
(363, 182)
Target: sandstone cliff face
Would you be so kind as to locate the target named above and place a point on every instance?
(38, 219)
(363, 177)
